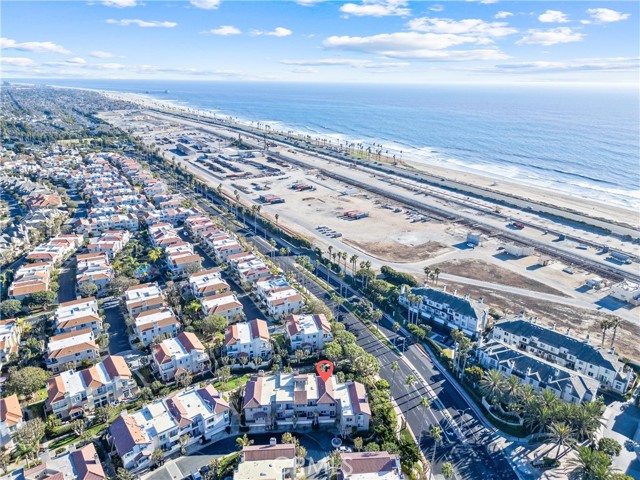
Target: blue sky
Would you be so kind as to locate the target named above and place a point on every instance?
(382, 41)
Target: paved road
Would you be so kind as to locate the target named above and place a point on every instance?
(249, 307)
(471, 456)
(67, 282)
(118, 337)
(469, 453)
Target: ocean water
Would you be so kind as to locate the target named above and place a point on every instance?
(581, 141)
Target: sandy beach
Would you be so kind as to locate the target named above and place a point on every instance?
(523, 191)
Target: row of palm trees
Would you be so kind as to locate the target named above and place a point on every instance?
(542, 412)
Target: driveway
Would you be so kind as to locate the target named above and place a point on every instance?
(118, 337)
(623, 419)
(67, 282)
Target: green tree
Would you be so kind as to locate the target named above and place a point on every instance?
(610, 446)
(243, 441)
(157, 457)
(447, 470)
(87, 289)
(288, 437)
(124, 474)
(491, 385)
(213, 324)
(29, 435)
(10, 308)
(358, 443)
(26, 381)
(39, 299)
(591, 464)
(435, 432)
(103, 413)
(79, 426)
(561, 433)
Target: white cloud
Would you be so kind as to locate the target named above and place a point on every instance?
(224, 30)
(109, 66)
(436, 8)
(277, 32)
(503, 14)
(142, 23)
(553, 16)
(421, 46)
(376, 8)
(605, 15)
(119, 3)
(101, 54)
(76, 61)
(206, 4)
(552, 36)
(486, 2)
(309, 3)
(585, 64)
(349, 62)
(17, 61)
(39, 47)
(470, 26)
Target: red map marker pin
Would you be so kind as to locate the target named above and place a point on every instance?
(324, 369)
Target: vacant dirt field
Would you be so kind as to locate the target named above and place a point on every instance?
(399, 252)
(479, 270)
(580, 321)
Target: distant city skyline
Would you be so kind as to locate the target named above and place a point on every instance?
(369, 41)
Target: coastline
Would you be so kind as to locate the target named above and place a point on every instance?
(511, 188)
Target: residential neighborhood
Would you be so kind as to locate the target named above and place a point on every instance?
(158, 325)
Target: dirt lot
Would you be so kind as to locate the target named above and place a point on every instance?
(399, 252)
(581, 321)
(479, 270)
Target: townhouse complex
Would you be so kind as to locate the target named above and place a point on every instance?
(299, 400)
(11, 418)
(71, 350)
(72, 394)
(78, 315)
(547, 358)
(151, 316)
(9, 339)
(308, 332)
(446, 309)
(278, 297)
(200, 412)
(248, 340)
(183, 354)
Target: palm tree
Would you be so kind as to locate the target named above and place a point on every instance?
(614, 322)
(354, 261)
(410, 381)
(244, 441)
(561, 433)
(277, 217)
(436, 275)
(427, 273)
(436, 434)
(605, 324)
(512, 388)
(447, 470)
(491, 385)
(395, 367)
(425, 403)
(591, 464)
(155, 254)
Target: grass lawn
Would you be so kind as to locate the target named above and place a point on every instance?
(39, 396)
(233, 383)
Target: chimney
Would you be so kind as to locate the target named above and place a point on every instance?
(481, 300)
(586, 339)
(521, 313)
(554, 326)
(402, 289)
(466, 297)
(444, 288)
(612, 350)
(528, 371)
(273, 442)
(261, 373)
(568, 331)
(455, 292)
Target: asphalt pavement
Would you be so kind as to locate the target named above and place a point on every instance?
(118, 336)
